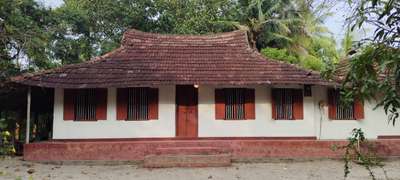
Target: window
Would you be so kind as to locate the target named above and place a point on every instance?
(138, 103)
(339, 111)
(85, 104)
(235, 103)
(287, 104)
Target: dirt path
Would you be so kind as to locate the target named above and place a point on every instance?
(15, 168)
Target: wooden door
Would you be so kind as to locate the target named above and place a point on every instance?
(186, 111)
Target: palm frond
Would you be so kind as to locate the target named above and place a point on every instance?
(277, 36)
(273, 9)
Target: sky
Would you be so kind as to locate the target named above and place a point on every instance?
(336, 23)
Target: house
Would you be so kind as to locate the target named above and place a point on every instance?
(208, 90)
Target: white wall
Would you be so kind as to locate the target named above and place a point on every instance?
(314, 124)
(374, 124)
(262, 126)
(111, 128)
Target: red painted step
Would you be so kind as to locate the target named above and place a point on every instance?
(191, 150)
(167, 161)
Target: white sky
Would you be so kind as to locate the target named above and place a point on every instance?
(335, 23)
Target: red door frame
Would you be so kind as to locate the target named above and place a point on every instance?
(186, 102)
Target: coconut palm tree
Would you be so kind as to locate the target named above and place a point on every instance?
(265, 18)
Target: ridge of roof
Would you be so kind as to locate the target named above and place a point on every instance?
(208, 35)
(135, 37)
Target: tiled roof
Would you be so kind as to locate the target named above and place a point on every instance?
(342, 68)
(147, 59)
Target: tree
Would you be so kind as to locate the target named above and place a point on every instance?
(267, 22)
(85, 28)
(375, 68)
(23, 36)
(191, 16)
(308, 39)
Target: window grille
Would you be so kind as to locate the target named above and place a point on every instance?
(85, 105)
(343, 111)
(234, 103)
(138, 103)
(284, 100)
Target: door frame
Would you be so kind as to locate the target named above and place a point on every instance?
(196, 112)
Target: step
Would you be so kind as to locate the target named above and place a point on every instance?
(191, 150)
(167, 161)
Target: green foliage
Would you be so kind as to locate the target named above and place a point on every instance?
(311, 62)
(6, 147)
(279, 54)
(308, 61)
(192, 16)
(375, 70)
(85, 29)
(347, 43)
(359, 150)
(23, 35)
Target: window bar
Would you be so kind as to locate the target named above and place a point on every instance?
(89, 105)
(134, 104)
(284, 103)
(146, 107)
(140, 100)
(229, 104)
(290, 104)
(80, 106)
(287, 100)
(86, 106)
(145, 101)
(137, 104)
(278, 111)
(281, 104)
(278, 104)
(76, 102)
(141, 104)
(92, 104)
(226, 103)
(240, 104)
(234, 103)
(129, 104)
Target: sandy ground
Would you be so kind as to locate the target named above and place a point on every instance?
(15, 168)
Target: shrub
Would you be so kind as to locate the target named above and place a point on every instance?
(359, 150)
(6, 146)
(279, 54)
(312, 62)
